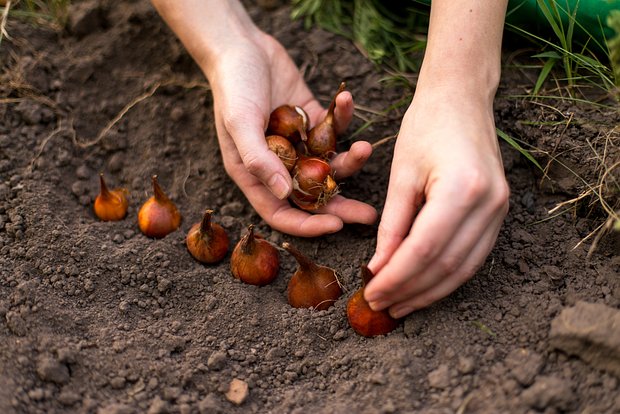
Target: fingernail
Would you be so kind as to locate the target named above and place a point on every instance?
(400, 312)
(278, 186)
(373, 296)
(378, 305)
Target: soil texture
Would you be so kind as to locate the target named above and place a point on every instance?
(97, 318)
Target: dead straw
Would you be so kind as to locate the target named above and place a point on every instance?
(5, 16)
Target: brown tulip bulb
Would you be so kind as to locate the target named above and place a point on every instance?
(284, 149)
(362, 318)
(110, 205)
(158, 216)
(207, 241)
(313, 183)
(312, 285)
(322, 137)
(254, 260)
(290, 122)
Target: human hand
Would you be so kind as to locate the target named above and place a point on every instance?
(251, 74)
(249, 80)
(446, 201)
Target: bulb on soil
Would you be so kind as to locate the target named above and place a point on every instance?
(254, 260)
(312, 285)
(362, 318)
(207, 241)
(158, 216)
(110, 205)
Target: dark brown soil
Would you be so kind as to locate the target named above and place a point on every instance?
(97, 318)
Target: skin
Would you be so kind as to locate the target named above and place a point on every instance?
(447, 195)
(446, 164)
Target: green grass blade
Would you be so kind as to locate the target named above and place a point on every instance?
(571, 24)
(544, 73)
(554, 20)
(552, 54)
(511, 141)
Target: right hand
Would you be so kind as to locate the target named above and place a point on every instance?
(447, 199)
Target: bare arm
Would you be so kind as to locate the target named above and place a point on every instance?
(447, 162)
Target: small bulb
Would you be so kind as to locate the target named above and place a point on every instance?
(207, 241)
(110, 205)
(311, 286)
(158, 216)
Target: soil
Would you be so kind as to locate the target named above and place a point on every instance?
(97, 318)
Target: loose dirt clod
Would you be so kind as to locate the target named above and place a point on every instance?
(592, 332)
(238, 391)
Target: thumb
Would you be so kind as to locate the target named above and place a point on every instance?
(259, 160)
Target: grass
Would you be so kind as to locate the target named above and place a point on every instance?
(583, 69)
(54, 13)
(613, 21)
(392, 36)
(580, 62)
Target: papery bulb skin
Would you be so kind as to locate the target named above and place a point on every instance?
(362, 318)
(311, 286)
(284, 149)
(289, 121)
(254, 260)
(158, 216)
(321, 140)
(207, 241)
(110, 205)
(313, 183)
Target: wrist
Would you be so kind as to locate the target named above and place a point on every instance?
(463, 52)
(459, 84)
(207, 28)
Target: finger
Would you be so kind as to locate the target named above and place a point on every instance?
(349, 162)
(452, 282)
(264, 164)
(296, 222)
(478, 228)
(281, 216)
(447, 206)
(402, 200)
(350, 211)
(343, 113)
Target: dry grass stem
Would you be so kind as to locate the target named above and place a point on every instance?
(186, 177)
(154, 87)
(569, 202)
(384, 140)
(52, 134)
(463, 407)
(602, 231)
(5, 16)
(605, 192)
(120, 116)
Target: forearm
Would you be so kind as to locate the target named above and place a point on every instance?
(463, 54)
(206, 27)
